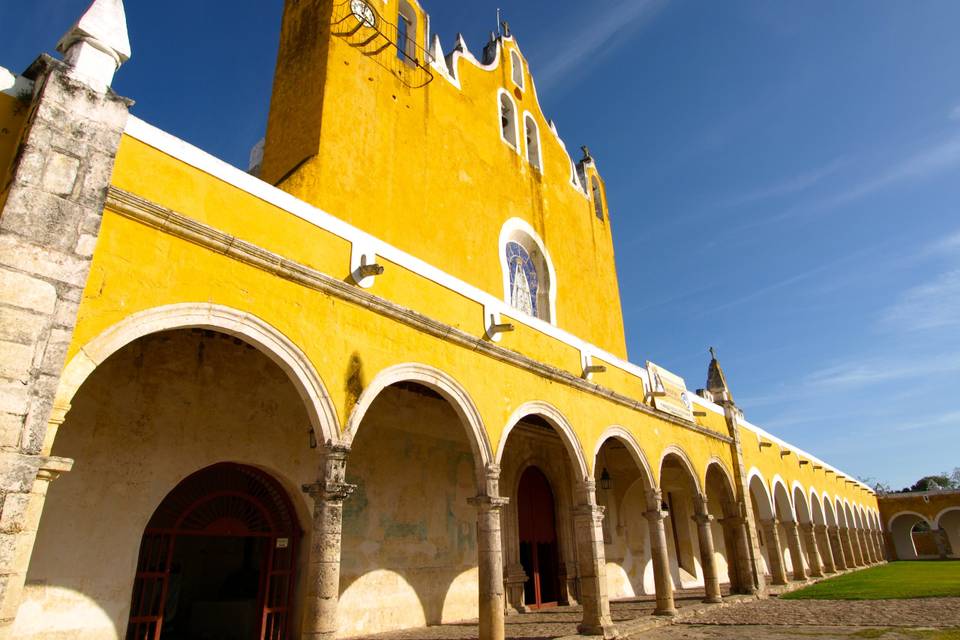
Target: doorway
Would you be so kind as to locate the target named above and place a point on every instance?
(538, 539)
(217, 560)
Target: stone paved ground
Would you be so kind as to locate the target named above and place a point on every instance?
(765, 632)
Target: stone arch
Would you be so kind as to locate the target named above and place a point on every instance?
(562, 426)
(685, 462)
(722, 468)
(782, 502)
(901, 526)
(440, 382)
(758, 487)
(948, 521)
(816, 508)
(240, 324)
(943, 512)
(628, 441)
(800, 505)
(829, 511)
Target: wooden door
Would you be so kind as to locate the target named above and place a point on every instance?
(538, 539)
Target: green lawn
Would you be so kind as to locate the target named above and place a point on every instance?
(916, 579)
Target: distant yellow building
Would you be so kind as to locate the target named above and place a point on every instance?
(382, 385)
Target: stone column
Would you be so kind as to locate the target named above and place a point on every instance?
(836, 543)
(490, 557)
(881, 546)
(943, 543)
(857, 550)
(708, 560)
(796, 552)
(774, 551)
(865, 547)
(735, 527)
(50, 216)
(322, 591)
(655, 516)
(588, 527)
(848, 550)
(813, 554)
(825, 549)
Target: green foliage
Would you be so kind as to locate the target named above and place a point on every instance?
(896, 580)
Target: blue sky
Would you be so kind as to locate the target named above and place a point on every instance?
(783, 178)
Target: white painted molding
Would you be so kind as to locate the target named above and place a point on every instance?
(636, 452)
(560, 424)
(14, 85)
(97, 44)
(501, 93)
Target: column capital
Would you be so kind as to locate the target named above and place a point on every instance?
(488, 503)
(789, 525)
(702, 518)
(732, 521)
(654, 515)
(589, 511)
(769, 522)
(329, 491)
(807, 527)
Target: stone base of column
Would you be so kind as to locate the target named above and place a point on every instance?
(606, 629)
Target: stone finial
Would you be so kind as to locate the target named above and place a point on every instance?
(716, 380)
(98, 43)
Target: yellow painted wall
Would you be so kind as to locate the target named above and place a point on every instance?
(425, 168)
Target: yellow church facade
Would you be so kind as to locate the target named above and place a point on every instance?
(380, 384)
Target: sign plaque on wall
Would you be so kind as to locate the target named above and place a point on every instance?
(670, 393)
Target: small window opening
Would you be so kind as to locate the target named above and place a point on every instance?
(406, 33)
(533, 142)
(517, 68)
(508, 120)
(597, 198)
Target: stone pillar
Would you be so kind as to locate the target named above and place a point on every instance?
(655, 516)
(796, 552)
(865, 546)
(735, 528)
(774, 551)
(943, 543)
(848, 550)
(838, 546)
(708, 560)
(490, 557)
(813, 554)
(857, 549)
(322, 592)
(825, 548)
(49, 224)
(588, 527)
(881, 546)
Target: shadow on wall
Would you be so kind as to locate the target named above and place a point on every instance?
(409, 553)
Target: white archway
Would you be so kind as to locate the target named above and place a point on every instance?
(560, 424)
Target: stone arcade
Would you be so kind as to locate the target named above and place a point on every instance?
(305, 404)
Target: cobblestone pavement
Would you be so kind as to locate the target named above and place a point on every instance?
(765, 632)
(917, 612)
(548, 623)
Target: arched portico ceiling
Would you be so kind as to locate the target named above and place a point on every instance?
(718, 466)
(848, 513)
(816, 508)
(446, 386)
(249, 328)
(676, 453)
(781, 499)
(919, 516)
(556, 419)
(758, 488)
(626, 438)
(800, 505)
(840, 512)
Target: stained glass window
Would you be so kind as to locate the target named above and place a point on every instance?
(524, 280)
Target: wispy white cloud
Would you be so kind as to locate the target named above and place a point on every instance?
(789, 186)
(859, 373)
(951, 418)
(932, 305)
(949, 244)
(573, 52)
(955, 114)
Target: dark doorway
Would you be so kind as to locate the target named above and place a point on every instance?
(538, 539)
(217, 560)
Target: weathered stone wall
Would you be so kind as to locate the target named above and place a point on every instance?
(159, 409)
(409, 550)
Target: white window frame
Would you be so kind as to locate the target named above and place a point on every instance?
(520, 231)
(528, 117)
(516, 68)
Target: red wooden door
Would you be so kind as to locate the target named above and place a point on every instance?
(538, 539)
(221, 501)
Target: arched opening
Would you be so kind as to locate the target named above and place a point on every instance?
(851, 533)
(516, 69)
(537, 436)
(150, 415)
(508, 119)
(764, 519)
(678, 484)
(217, 559)
(808, 541)
(948, 521)
(789, 541)
(597, 195)
(406, 33)
(623, 478)
(533, 142)
(528, 275)
(408, 529)
(732, 567)
(539, 555)
(912, 536)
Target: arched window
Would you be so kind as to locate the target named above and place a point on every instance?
(516, 69)
(508, 120)
(597, 198)
(406, 32)
(528, 278)
(533, 141)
